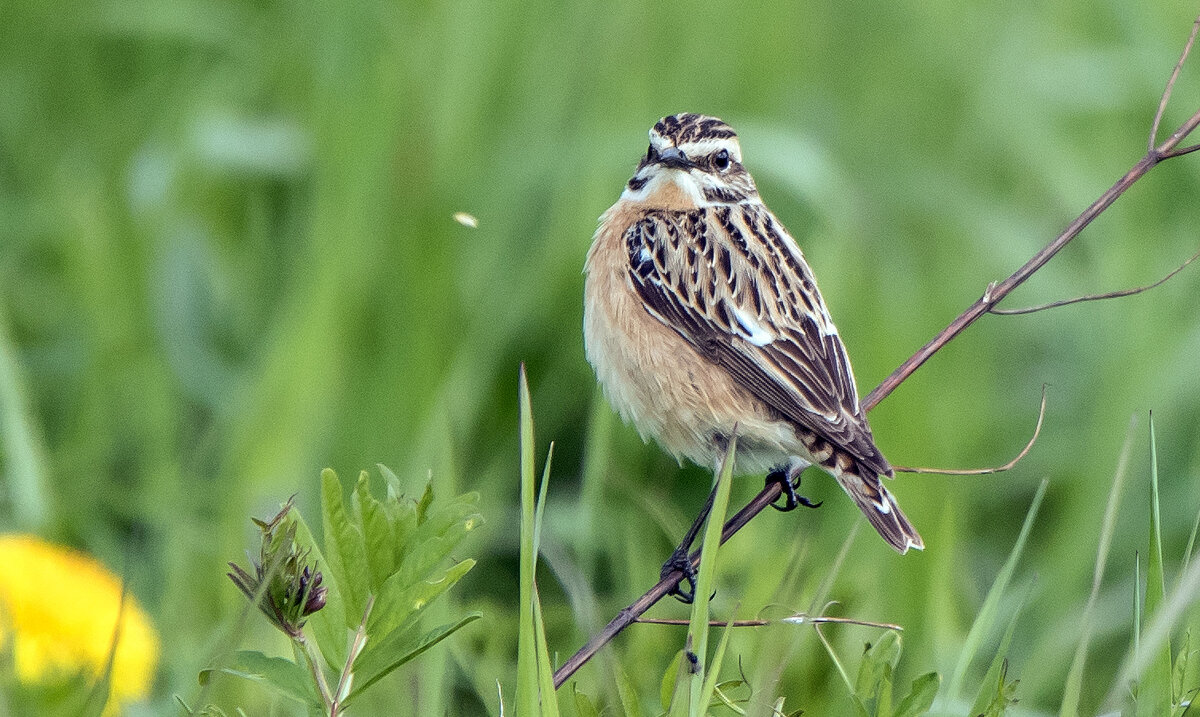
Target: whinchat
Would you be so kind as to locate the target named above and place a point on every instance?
(702, 318)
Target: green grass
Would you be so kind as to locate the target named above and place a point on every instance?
(228, 261)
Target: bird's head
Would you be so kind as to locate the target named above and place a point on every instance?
(692, 161)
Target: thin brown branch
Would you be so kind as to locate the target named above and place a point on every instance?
(1097, 297)
(1037, 430)
(1166, 95)
(994, 293)
(797, 619)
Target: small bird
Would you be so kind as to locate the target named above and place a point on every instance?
(702, 318)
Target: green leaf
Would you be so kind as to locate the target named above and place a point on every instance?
(398, 649)
(873, 687)
(284, 676)
(423, 504)
(345, 550)
(626, 691)
(920, 695)
(583, 705)
(382, 548)
(398, 603)
(878, 660)
(1154, 692)
(1001, 694)
(721, 694)
(444, 527)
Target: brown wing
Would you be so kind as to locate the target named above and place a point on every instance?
(733, 283)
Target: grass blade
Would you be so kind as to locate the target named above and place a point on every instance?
(989, 612)
(1154, 692)
(997, 672)
(710, 680)
(528, 684)
(1074, 685)
(545, 672)
(690, 691)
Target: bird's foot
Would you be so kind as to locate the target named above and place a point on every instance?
(681, 562)
(790, 497)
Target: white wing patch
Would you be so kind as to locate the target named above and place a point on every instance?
(755, 333)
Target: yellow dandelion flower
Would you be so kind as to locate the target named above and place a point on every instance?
(59, 609)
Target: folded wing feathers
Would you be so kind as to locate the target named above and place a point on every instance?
(773, 335)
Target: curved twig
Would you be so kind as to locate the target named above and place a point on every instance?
(797, 619)
(994, 293)
(987, 471)
(1097, 297)
(1166, 95)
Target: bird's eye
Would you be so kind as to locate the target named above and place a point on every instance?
(720, 160)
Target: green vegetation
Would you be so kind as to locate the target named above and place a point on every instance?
(229, 260)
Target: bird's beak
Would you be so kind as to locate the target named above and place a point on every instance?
(672, 158)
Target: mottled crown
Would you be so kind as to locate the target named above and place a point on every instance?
(697, 154)
(688, 127)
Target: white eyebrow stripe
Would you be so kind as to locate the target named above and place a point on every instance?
(704, 147)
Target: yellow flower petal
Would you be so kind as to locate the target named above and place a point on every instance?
(59, 607)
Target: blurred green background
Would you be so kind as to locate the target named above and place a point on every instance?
(228, 259)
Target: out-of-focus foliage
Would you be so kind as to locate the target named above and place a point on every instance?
(229, 258)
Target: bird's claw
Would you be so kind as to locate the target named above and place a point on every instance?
(680, 562)
(791, 498)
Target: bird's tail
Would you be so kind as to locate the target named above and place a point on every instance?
(874, 500)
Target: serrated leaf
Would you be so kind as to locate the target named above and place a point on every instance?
(398, 603)
(878, 659)
(873, 686)
(424, 503)
(378, 537)
(391, 482)
(345, 549)
(920, 695)
(443, 529)
(397, 649)
(283, 676)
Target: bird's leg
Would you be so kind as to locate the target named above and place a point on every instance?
(681, 561)
(788, 480)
